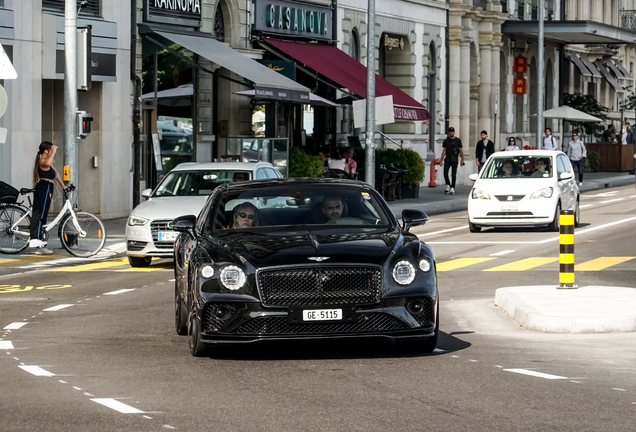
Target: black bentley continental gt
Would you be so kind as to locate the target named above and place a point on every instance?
(302, 259)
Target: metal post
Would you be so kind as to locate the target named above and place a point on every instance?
(566, 249)
(540, 83)
(70, 88)
(369, 166)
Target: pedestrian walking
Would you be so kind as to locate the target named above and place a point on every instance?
(483, 150)
(44, 177)
(452, 154)
(577, 152)
(549, 142)
(512, 144)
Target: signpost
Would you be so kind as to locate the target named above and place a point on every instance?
(369, 150)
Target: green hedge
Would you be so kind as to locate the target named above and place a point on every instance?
(303, 165)
(403, 158)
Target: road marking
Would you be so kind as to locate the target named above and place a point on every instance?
(168, 427)
(535, 374)
(77, 388)
(586, 205)
(6, 345)
(145, 416)
(587, 230)
(63, 382)
(504, 252)
(119, 291)
(15, 325)
(619, 389)
(117, 406)
(93, 266)
(88, 394)
(524, 264)
(460, 262)
(485, 242)
(610, 201)
(37, 371)
(58, 307)
(443, 231)
(601, 263)
(607, 194)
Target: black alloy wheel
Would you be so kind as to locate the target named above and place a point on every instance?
(197, 348)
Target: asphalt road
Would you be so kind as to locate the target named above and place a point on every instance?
(106, 357)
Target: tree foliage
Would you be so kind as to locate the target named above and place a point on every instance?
(588, 105)
(303, 165)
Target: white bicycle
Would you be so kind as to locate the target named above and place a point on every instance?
(82, 234)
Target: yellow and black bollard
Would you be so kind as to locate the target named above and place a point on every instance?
(566, 249)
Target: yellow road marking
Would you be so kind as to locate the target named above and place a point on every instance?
(601, 263)
(141, 269)
(93, 266)
(460, 262)
(28, 259)
(524, 264)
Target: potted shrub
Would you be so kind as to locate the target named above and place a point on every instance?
(303, 165)
(408, 159)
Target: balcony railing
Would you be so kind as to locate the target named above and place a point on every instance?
(628, 19)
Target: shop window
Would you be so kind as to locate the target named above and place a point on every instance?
(91, 7)
(504, 6)
(219, 24)
(535, 13)
(521, 11)
(354, 45)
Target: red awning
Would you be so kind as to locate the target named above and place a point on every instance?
(336, 65)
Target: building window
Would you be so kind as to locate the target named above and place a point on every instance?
(92, 7)
(535, 13)
(520, 11)
(354, 45)
(504, 6)
(550, 15)
(219, 24)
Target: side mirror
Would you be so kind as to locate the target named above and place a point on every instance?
(146, 193)
(565, 175)
(185, 224)
(411, 218)
(473, 177)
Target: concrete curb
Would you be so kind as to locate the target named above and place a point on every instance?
(591, 309)
(609, 182)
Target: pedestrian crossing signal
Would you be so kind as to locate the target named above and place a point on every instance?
(83, 124)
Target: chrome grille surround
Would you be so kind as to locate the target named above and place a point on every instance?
(319, 285)
(161, 225)
(505, 198)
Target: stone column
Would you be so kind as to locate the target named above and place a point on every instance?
(454, 35)
(486, 72)
(496, 85)
(464, 94)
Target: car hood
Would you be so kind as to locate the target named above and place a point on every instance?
(514, 186)
(169, 207)
(331, 248)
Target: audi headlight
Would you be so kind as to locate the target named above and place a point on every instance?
(480, 194)
(425, 265)
(232, 277)
(207, 271)
(137, 221)
(403, 272)
(543, 193)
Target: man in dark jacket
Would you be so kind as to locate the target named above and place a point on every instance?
(483, 150)
(452, 155)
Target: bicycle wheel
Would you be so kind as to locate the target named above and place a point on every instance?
(13, 240)
(72, 239)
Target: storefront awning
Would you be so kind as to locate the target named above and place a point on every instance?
(342, 69)
(620, 67)
(314, 99)
(268, 84)
(596, 75)
(608, 76)
(617, 73)
(585, 72)
(570, 32)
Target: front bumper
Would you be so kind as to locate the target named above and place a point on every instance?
(500, 213)
(232, 322)
(142, 241)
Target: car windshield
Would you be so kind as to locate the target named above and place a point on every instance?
(533, 166)
(313, 206)
(199, 182)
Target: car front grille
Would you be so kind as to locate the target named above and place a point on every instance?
(307, 286)
(278, 325)
(217, 315)
(522, 213)
(163, 226)
(509, 197)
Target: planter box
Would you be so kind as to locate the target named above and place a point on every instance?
(614, 157)
(410, 191)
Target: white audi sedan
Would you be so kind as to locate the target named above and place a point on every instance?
(182, 192)
(521, 188)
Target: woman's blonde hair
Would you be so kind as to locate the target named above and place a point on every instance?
(45, 145)
(238, 209)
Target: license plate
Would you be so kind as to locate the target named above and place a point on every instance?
(322, 315)
(167, 236)
(510, 208)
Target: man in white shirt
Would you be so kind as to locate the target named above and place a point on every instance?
(549, 142)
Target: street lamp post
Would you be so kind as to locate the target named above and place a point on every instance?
(70, 88)
(369, 151)
(540, 83)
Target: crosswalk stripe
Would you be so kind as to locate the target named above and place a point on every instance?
(601, 263)
(460, 262)
(92, 266)
(524, 264)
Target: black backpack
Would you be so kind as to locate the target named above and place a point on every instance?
(8, 194)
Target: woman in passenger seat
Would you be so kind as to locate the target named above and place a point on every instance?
(245, 216)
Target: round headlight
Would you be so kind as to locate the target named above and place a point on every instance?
(425, 265)
(232, 277)
(403, 272)
(207, 271)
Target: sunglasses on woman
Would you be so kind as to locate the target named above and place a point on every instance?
(250, 216)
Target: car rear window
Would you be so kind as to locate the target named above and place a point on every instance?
(533, 166)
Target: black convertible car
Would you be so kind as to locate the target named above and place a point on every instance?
(303, 258)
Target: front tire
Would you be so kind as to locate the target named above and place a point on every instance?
(556, 223)
(139, 261)
(473, 228)
(197, 348)
(180, 316)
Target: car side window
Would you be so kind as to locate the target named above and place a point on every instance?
(566, 164)
(562, 165)
(260, 174)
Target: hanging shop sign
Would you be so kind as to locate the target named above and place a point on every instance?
(281, 94)
(282, 67)
(392, 42)
(177, 12)
(520, 64)
(293, 19)
(519, 86)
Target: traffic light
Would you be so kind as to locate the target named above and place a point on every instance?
(83, 124)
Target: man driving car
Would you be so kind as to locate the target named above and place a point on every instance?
(332, 207)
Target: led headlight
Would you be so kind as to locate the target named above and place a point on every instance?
(137, 221)
(425, 265)
(403, 272)
(207, 271)
(232, 277)
(543, 193)
(480, 194)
